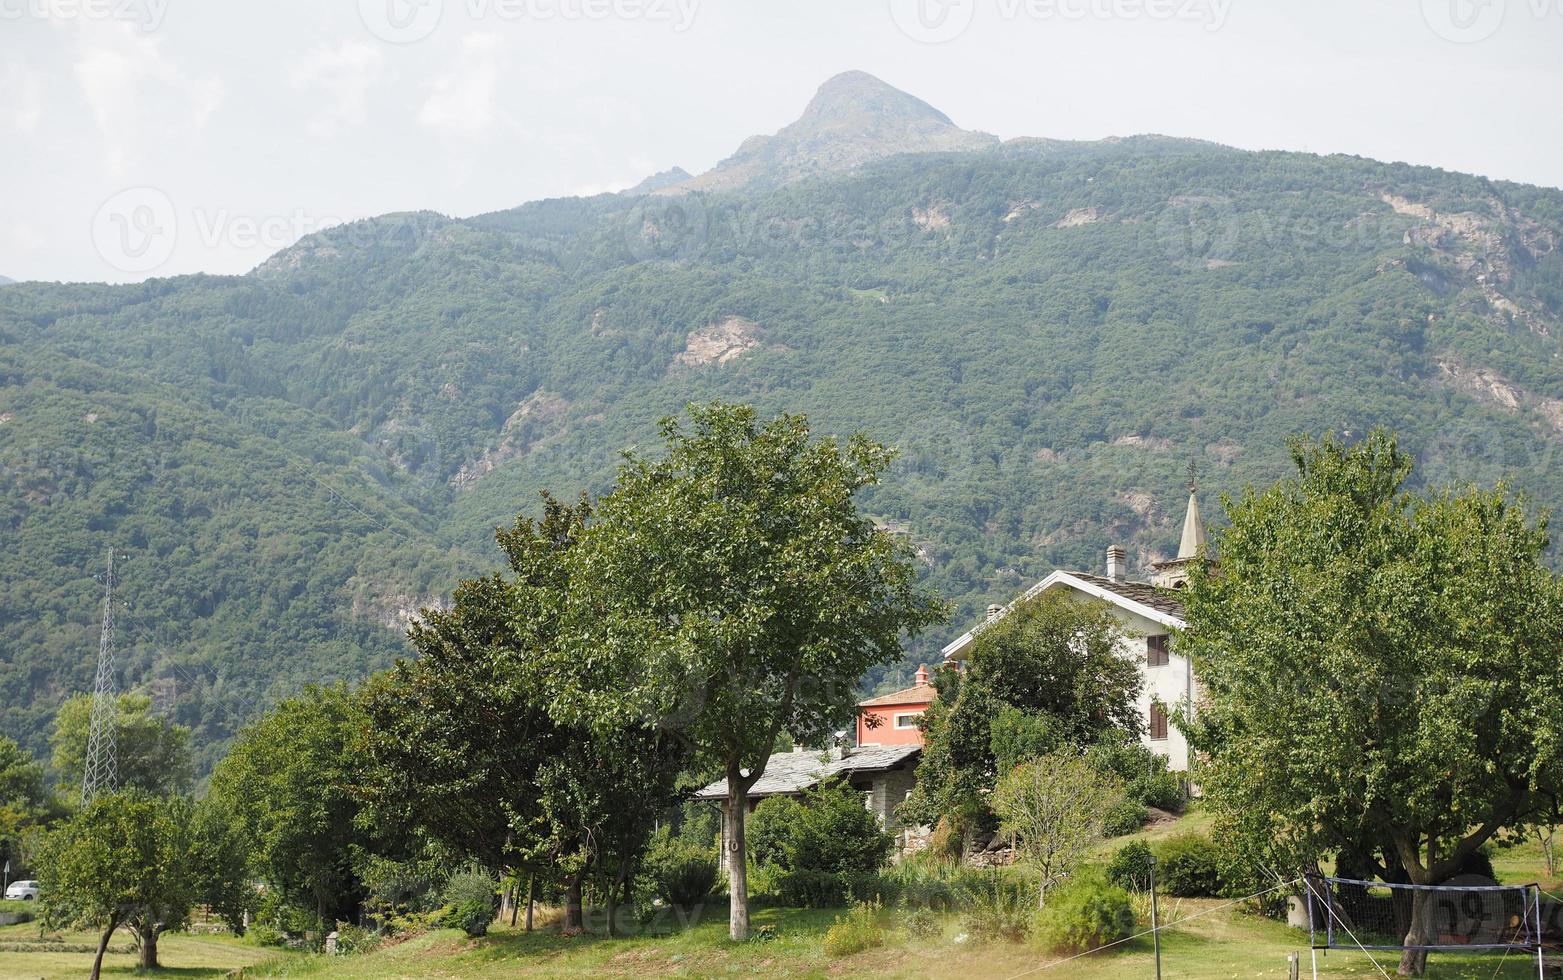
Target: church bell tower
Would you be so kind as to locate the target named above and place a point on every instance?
(1174, 574)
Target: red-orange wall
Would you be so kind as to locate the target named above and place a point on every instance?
(887, 733)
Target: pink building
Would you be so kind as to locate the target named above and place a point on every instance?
(896, 719)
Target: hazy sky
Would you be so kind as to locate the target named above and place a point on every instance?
(153, 137)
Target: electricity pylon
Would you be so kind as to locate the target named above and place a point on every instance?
(101, 775)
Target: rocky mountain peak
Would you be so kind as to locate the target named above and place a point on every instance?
(855, 100)
(853, 120)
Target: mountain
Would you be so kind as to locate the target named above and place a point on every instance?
(293, 461)
(854, 119)
(6, 280)
(659, 181)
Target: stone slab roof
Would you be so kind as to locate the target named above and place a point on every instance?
(1142, 592)
(788, 773)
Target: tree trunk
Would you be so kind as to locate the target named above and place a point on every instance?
(149, 947)
(531, 899)
(103, 945)
(573, 919)
(1413, 962)
(619, 887)
(515, 901)
(737, 857)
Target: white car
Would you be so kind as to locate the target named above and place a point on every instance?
(24, 891)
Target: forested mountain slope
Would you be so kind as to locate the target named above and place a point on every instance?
(291, 461)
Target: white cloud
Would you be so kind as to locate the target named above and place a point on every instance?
(135, 92)
(466, 98)
(345, 74)
(24, 99)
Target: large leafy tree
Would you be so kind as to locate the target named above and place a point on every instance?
(25, 801)
(285, 784)
(151, 753)
(1048, 675)
(138, 861)
(462, 747)
(1380, 669)
(729, 590)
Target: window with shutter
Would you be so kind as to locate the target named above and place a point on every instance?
(1158, 725)
(1156, 651)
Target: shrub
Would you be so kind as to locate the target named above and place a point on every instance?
(1083, 914)
(1124, 817)
(831, 830)
(923, 924)
(807, 888)
(872, 886)
(1130, 866)
(1001, 912)
(679, 871)
(856, 930)
(769, 829)
(925, 883)
(351, 939)
(1188, 866)
(470, 896)
(1142, 770)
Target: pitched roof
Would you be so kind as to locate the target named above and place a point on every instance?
(1156, 604)
(794, 772)
(1142, 592)
(920, 694)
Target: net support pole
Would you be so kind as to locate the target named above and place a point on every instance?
(1155, 928)
(1541, 963)
(1313, 942)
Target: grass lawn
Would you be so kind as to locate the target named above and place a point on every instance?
(1218, 943)
(1221, 944)
(24, 956)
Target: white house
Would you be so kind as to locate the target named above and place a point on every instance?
(1149, 612)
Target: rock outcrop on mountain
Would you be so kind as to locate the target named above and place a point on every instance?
(854, 119)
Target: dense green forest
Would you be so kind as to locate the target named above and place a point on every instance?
(292, 461)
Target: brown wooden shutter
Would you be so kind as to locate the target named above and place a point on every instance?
(1158, 724)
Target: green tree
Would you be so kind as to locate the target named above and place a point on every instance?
(150, 752)
(1380, 668)
(730, 591)
(24, 801)
(135, 860)
(1045, 677)
(284, 786)
(461, 746)
(1053, 809)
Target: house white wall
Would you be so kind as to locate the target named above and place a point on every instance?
(1172, 683)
